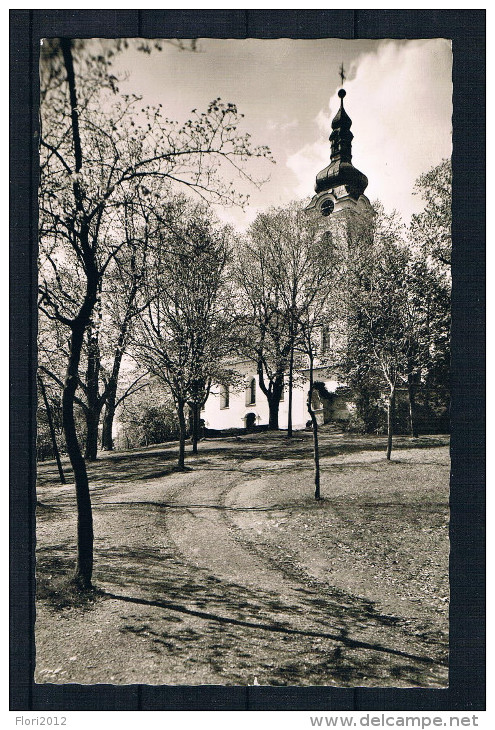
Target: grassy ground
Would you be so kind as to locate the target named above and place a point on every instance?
(231, 573)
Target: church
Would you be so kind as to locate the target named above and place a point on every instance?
(342, 209)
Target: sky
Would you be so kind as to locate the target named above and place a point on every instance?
(399, 97)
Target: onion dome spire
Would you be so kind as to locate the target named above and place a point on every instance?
(341, 171)
(341, 136)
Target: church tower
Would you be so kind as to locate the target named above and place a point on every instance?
(340, 186)
(344, 216)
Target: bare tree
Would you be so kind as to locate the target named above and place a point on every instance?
(290, 268)
(432, 228)
(53, 436)
(321, 309)
(183, 323)
(430, 236)
(120, 290)
(281, 266)
(382, 322)
(95, 149)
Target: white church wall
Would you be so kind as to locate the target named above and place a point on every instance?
(218, 417)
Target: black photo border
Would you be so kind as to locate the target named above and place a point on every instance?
(466, 29)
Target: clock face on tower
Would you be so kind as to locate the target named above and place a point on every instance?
(327, 207)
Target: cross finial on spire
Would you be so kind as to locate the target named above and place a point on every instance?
(341, 73)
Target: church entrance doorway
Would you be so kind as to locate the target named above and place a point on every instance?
(250, 421)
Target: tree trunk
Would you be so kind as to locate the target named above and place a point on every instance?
(274, 402)
(273, 406)
(411, 393)
(84, 566)
(111, 390)
(273, 396)
(289, 406)
(107, 427)
(52, 430)
(390, 421)
(92, 422)
(93, 411)
(110, 408)
(195, 427)
(182, 434)
(314, 423)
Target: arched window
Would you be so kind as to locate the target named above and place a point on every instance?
(251, 392)
(224, 396)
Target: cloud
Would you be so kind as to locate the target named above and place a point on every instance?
(400, 100)
(305, 163)
(282, 125)
(237, 217)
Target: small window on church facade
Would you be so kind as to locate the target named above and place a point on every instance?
(251, 392)
(224, 397)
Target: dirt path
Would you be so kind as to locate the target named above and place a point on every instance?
(208, 586)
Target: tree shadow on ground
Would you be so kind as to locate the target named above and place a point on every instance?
(117, 469)
(180, 610)
(330, 446)
(54, 585)
(184, 611)
(159, 462)
(261, 630)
